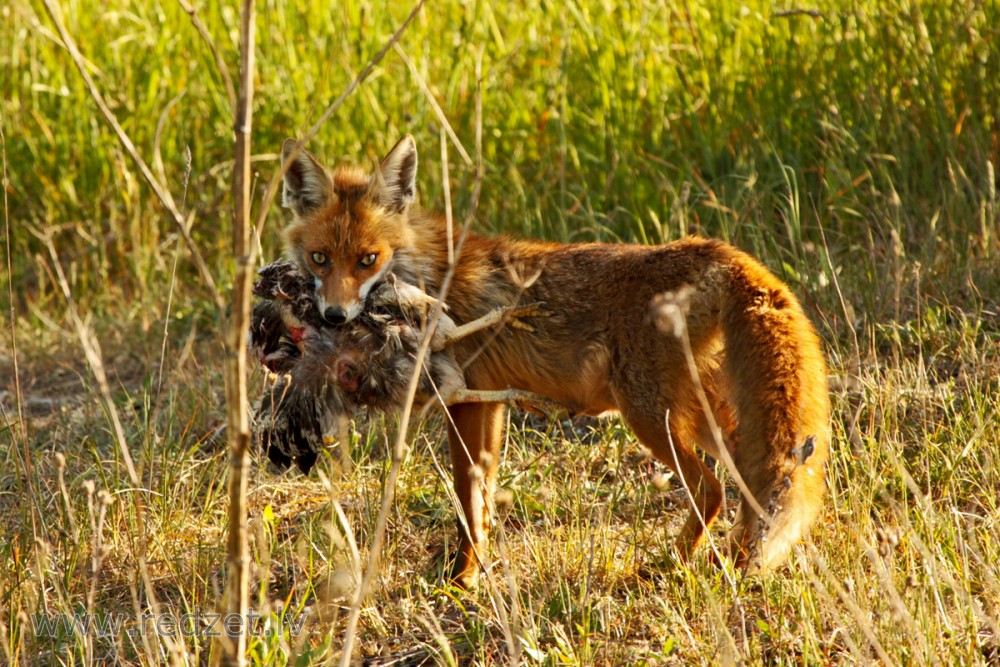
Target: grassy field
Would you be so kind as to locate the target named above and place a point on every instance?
(852, 147)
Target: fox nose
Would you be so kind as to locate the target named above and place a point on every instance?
(335, 315)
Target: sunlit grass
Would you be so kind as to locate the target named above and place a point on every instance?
(854, 149)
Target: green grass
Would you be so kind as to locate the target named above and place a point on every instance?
(855, 152)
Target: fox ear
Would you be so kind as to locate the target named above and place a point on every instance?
(397, 175)
(307, 185)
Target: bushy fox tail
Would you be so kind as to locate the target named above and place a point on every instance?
(777, 378)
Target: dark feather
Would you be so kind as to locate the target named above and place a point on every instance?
(329, 372)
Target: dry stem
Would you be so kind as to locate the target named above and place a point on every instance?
(237, 593)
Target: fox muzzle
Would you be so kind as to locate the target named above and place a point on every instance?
(335, 315)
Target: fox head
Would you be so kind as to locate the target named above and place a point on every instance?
(347, 226)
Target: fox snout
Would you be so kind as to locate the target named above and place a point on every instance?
(335, 315)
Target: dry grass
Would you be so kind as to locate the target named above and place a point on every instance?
(853, 151)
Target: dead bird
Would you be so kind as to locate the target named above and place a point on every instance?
(284, 315)
(324, 373)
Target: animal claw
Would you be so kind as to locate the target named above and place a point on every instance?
(515, 314)
(518, 324)
(539, 405)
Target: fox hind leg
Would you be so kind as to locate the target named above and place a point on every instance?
(674, 448)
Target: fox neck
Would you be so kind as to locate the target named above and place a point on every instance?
(424, 262)
(488, 272)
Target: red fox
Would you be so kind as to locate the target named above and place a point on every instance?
(758, 358)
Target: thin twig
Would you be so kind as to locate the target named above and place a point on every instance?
(21, 426)
(788, 13)
(276, 178)
(400, 449)
(673, 312)
(161, 192)
(158, 135)
(170, 293)
(19, 431)
(508, 625)
(399, 452)
(92, 353)
(446, 186)
(862, 619)
(220, 64)
(434, 104)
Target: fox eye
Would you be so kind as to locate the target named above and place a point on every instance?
(368, 260)
(319, 259)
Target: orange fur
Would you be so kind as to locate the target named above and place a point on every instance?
(758, 357)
